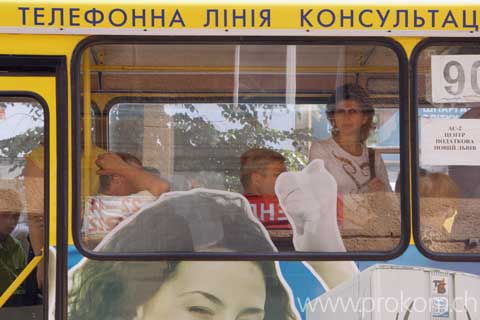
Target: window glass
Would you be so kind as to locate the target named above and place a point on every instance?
(21, 202)
(96, 125)
(243, 125)
(448, 108)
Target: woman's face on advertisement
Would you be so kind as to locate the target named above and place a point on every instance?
(209, 291)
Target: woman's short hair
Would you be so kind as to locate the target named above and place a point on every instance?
(354, 92)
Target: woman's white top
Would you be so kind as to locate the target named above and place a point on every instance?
(352, 173)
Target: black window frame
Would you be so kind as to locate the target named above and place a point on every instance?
(415, 170)
(46, 216)
(31, 66)
(235, 256)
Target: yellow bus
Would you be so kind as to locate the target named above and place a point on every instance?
(239, 160)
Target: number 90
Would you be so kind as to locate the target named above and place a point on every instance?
(454, 74)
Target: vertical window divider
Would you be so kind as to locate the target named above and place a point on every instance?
(236, 75)
(291, 85)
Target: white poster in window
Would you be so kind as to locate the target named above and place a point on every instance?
(449, 142)
(455, 78)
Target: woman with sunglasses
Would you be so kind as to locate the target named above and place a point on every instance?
(355, 167)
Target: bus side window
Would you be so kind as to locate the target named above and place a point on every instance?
(21, 199)
(448, 116)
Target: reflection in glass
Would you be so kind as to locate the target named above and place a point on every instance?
(192, 114)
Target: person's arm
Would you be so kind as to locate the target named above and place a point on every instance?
(34, 193)
(380, 182)
(382, 172)
(111, 163)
